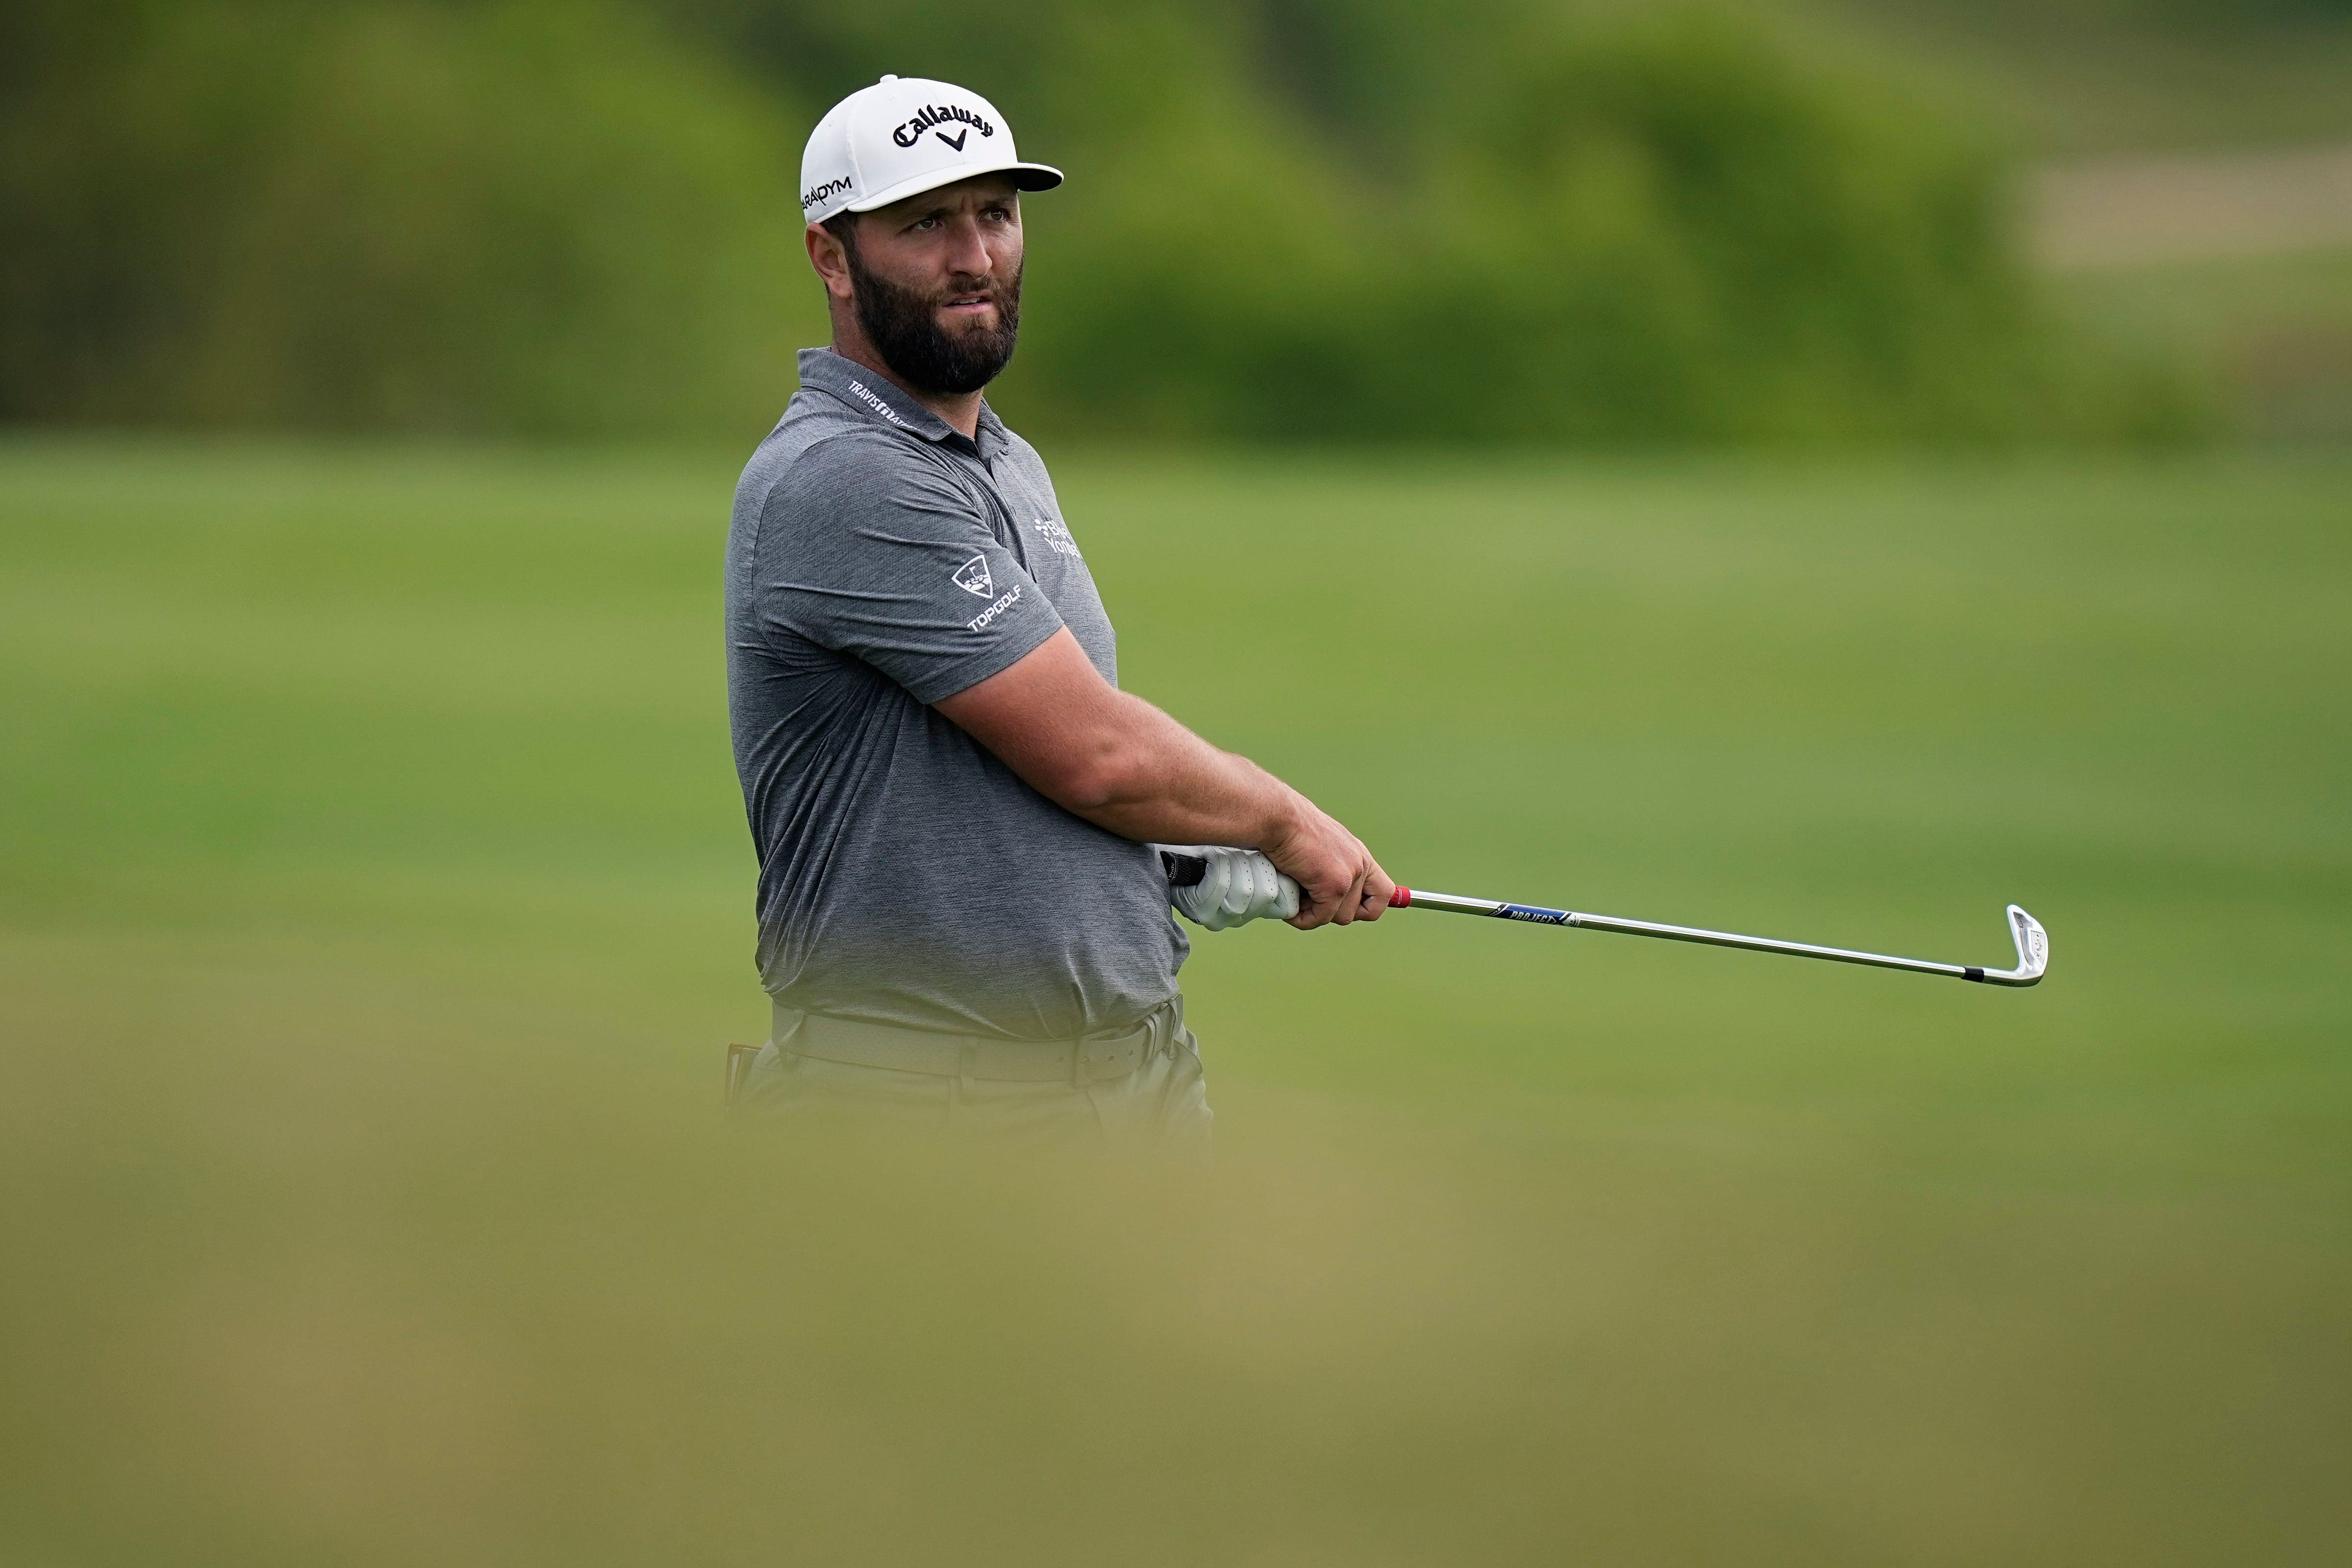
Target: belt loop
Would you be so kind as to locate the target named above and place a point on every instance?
(1155, 1036)
(785, 1030)
(968, 1062)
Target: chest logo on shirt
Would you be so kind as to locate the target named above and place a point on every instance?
(1057, 538)
(972, 578)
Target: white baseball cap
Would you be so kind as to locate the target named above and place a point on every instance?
(901, 137)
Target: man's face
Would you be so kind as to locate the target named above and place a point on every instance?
(935, 280)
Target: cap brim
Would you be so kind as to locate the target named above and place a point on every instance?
(1025, 177)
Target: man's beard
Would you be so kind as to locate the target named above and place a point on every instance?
(903, 328)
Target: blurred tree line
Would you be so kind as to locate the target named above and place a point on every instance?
(1308, 219)
(2228, 15)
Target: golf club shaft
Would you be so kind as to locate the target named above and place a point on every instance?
(2032, 944)
(1407, 898)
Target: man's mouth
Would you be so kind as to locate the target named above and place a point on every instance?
(969, 304)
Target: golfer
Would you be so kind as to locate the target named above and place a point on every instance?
(964, 914)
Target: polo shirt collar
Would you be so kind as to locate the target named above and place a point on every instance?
(883, 402)
(992, 436)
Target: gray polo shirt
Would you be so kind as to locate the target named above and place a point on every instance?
(878, 563)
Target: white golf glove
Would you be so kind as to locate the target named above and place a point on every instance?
(1241, 885)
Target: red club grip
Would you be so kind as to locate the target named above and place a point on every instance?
(1400, 897)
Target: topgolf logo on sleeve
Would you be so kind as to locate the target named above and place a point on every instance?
(987, 617)
(972, 578)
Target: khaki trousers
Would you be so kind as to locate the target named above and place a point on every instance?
(1140, 1089)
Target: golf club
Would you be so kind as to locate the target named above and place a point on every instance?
(2032, 942)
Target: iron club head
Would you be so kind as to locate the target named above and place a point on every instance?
(2032, 951)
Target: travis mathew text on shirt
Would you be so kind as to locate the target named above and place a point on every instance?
(878, 562)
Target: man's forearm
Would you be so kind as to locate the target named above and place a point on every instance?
(1157, 782)
(1118, 760)
(1122, 764)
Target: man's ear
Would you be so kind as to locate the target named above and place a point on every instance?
(831, 261)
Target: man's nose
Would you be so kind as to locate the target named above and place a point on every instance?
(966, 251)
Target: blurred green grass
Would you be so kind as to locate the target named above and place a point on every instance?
(373, 897)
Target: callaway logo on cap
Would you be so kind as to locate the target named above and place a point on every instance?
(903, 136)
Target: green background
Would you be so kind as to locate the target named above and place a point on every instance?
(374, 903)
(1599, 222)
(1611, 455)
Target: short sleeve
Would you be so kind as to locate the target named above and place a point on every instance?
(868, 549)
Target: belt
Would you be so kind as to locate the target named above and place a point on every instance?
(856, 1043)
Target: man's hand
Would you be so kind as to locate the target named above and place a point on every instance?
(1340, 881)
(1236, 886)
